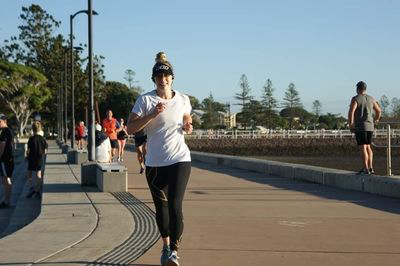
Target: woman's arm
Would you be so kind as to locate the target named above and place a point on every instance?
(137, 123)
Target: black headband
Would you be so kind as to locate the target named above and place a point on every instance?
(162, 68)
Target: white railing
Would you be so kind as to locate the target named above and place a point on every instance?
(253, 134)
(389, 145)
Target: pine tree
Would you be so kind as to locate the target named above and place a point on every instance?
(244, 94)
(269, 102)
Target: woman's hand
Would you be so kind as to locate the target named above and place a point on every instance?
(160, 107)
(188, 128)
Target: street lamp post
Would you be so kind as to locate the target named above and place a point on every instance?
(65, 99)
(91, 150)
(58, 114)
(61, 108)
(71, 18)
(72, 85)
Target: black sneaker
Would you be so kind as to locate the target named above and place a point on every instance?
(363, 172)
(165, 253)
(371, 171)
(4, 205)
(141, 170)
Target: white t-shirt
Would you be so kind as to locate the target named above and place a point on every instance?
(165, 141)
(103, 151)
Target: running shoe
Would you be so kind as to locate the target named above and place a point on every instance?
(141, 170)
(363, 172)
(173, 259)
(371, 171)
(4, 205)
(165, 253)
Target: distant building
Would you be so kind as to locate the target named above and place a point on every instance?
(225, 119)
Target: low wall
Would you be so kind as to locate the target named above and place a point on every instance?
(380, 185)
(284, 147)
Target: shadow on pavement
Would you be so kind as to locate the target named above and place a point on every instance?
(382, 203)
(75, 263)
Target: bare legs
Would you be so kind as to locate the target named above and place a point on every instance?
(121, 149)
(366, 156)
(141, 153)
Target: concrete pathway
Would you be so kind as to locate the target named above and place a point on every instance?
(232, 217)
(235, 217)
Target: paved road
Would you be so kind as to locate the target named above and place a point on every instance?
(235, 217)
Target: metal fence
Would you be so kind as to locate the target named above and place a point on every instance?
(254, 134)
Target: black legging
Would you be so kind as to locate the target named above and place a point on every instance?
(167, 185)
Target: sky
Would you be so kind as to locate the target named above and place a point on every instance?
(323, 47)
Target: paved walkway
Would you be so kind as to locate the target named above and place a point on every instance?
(232, 217)
(235, 217)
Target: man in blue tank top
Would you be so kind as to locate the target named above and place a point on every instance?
(361, 122)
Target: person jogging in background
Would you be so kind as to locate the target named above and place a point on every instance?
(122, 136)
(103, 146)
(37, 148)
(140, 144)
(165, 115)
(361, 122)
(80, 134)
(6, 160)
(111, 127)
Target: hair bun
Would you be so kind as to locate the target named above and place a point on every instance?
(161, 57)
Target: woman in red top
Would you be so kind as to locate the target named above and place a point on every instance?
(79, 133)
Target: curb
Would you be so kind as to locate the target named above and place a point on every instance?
(379, 185)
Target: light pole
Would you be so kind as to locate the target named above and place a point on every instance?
(59, 134)
(65, 99)
(61, 108)
(71, 18)
(91, 148)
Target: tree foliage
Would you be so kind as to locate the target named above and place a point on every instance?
(317, 108)
(244, 94)
(23, 91)
(211, 116)
(119, 98)
(384, 104)
(130, 78)
(270, 104)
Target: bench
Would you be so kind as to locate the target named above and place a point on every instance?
(65, 148)
(77, 156)
(111, 177)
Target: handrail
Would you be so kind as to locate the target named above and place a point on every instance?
(388, 146)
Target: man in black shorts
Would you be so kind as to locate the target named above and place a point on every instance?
(361, 122)
(6, 160)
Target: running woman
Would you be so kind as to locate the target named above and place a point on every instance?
(361, 122)
(6, 160)
(165, 114)
(121, 136)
